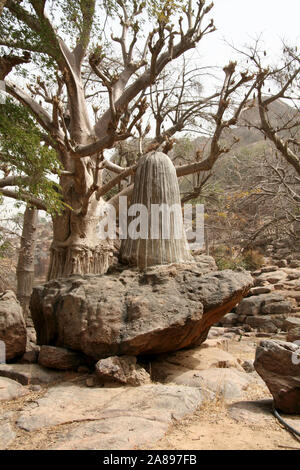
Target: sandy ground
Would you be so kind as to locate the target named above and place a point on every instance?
(213, 427)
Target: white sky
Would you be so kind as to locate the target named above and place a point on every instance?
(240, 21)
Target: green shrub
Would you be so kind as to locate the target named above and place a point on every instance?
(226, 258)
(252, 260)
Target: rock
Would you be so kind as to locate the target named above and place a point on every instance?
(256, 273)
(30, 357)
(293, 335)
(291, 323)
(277, 308)
(294, 276)
(253, 305)
(227, 383)
(262, 290)
(10, 390)
(272, 277)
(90, 382)
(60, 358)
(124, 370)
(264, 334)
(35, 388)
(294, 263)
(12, 325)
(206, 263)
(230, 319)
(27, 374)
(269, 269)
(278, 364)
(282, 263)
(7, 435)
(100, 415)
(262, 324)
(31, 335)
(83, 370)
(216, 332)
(163, 309)
(168, 367)
(221, 343)
(255, 413)
(248, 366)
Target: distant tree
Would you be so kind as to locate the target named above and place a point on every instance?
(277, 82)
(26, 165)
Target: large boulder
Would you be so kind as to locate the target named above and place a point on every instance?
(129, 312)
(12, 325)
(263, 304)
(278, 364)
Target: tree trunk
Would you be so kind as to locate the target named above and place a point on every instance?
(76, 246)
(25, 267)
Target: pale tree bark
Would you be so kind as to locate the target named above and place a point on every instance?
(76, 248)
(25, 266)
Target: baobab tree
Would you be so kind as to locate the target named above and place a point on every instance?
(90, 94)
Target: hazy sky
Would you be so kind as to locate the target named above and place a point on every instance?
(239, 21)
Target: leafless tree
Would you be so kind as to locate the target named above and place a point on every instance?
(63, 106)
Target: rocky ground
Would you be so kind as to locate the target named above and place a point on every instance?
(206, 397)
(201, 398)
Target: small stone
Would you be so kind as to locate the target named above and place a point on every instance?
(293, 335)
(30, 357)
(269, 269)
(122, 369)
(10, 389)
(83, 370)
(262, 290)
(60, 358)
(294, 264)
(35, 388)
(264, 335)
(90, 382)
(248, 366)
(230, 319)
(282, 263)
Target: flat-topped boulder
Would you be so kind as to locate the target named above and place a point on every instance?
(12, 326)
(278, 364)
(129, 312)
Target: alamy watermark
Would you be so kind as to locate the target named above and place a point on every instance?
(160, 221)
(296, 354)
(2, 90)
(2, 352)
